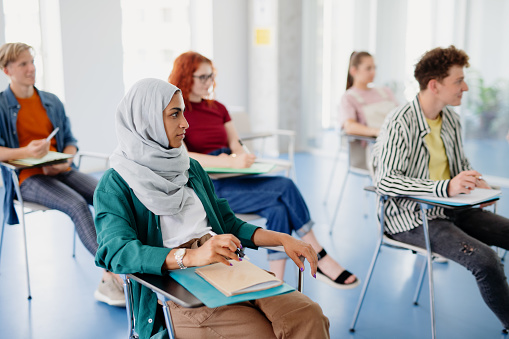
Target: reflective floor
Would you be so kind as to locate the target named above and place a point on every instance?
(62, 287)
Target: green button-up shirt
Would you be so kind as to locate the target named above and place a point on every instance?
(130, 240)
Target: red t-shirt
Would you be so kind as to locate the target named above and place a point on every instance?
(206, 131)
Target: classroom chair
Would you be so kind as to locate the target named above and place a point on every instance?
(166, 289)
(27, 207)
(357, 164)
(385, 240)
(249, 138)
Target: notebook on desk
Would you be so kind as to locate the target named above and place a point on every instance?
(212, 297)
(242, 277)
(256, 168)
(476, 196)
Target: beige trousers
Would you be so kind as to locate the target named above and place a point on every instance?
(291, 315)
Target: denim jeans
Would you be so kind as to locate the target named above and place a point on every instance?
(466, 238)
(275, 198)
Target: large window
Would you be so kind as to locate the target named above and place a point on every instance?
(22, 24)
(397, 33)
(154, 33)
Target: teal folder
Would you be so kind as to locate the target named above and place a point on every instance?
(212, 297)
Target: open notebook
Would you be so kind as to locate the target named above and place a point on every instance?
(242, 277)
(50, 158)
(256, 168)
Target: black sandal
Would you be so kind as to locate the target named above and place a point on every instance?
(339, 282)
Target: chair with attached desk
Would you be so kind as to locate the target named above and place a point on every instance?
(385, 240)
(27, 207)
(243, 126)
(166, 289)
(357, 164)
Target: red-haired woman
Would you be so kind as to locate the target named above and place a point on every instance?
(213, 141)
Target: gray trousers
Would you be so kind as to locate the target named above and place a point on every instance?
(466, 238)
(69, 192)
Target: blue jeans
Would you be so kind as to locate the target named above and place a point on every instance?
(466, 238)
(275, 198)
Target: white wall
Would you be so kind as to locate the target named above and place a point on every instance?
(92, 65)
(3, 79)
(230, 51)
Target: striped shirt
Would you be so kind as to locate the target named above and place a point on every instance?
(401, 159)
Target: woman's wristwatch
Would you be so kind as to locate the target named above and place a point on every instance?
(179, 257)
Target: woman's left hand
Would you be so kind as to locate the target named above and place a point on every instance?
(295, 248)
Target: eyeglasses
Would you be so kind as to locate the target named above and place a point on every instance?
(205, 77)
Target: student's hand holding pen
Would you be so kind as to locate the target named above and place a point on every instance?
(243, 160)
(465, 182)
(37, 148)
(219, 248)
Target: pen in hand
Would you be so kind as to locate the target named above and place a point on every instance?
(52, 134)
(244, 147)
(239, 251)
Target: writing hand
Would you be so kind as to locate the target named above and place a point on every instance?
(37, 148)
(219, 248)
(463, 183)
(243, 160)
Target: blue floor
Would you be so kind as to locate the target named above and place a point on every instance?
(62, 287)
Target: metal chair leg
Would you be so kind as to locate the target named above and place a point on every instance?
(22, 221)
(74, 243)
(430, 270)
(129, 307)
(338, 204)
(332, 175)
(2, 238)
(26, 252)
(419, 283)
(365, 287)
(167, 315)
(300, 277)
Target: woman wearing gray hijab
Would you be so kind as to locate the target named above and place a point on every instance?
(154, 211)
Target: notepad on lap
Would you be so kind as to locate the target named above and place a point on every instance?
(242, 277)
(51, 157)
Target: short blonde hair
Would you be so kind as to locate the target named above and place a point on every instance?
(10, 52)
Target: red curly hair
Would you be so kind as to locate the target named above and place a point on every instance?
(183, 69)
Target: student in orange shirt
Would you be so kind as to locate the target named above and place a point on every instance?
(27, 118)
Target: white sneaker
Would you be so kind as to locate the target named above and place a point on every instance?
(110, 292)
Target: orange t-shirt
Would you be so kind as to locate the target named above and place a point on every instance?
(33, 124)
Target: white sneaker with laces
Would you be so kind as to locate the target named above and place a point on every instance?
(111, 292)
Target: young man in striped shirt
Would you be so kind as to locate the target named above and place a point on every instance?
(420, 150)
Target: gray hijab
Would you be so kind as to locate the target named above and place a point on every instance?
(156, 173)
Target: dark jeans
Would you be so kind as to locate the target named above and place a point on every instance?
(275, 198)
(466, 238)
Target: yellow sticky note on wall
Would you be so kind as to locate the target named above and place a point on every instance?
(262, 36)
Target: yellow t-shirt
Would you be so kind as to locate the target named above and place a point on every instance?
(438, 161)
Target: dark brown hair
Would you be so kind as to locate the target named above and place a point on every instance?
(355, 60)
(435, 64)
